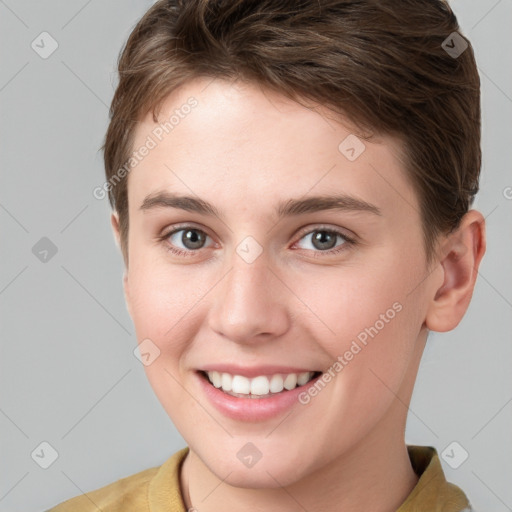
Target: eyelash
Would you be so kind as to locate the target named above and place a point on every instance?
(348, 242)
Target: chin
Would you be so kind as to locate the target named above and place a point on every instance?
(249, 479)
(269, 474)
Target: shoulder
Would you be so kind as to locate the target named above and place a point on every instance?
(132, 493)
(130, 490)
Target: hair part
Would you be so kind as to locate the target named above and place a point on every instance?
(379, 63)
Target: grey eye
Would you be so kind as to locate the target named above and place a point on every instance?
(191, 238)
(323, 239)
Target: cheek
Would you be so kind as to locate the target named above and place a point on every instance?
(369, 329)
(165, 304)
(159, 293)
(366, 316)
(162, 311)
(349, 301)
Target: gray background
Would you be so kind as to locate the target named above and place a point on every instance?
(68, 373)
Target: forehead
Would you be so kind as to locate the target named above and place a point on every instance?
(228, 140)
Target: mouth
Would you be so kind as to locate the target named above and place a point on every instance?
(258, 387)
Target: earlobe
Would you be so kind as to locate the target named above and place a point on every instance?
(462, 254)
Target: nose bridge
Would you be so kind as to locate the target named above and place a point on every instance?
(249, 303)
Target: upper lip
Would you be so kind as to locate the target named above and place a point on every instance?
(253, 371)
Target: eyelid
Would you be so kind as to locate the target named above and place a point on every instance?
(303, 231)
(325, 227)
(183, 227)
(311, 228)
(178, 227)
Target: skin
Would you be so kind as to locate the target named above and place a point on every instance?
(244, 149)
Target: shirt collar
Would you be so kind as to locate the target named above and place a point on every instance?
(432, 492)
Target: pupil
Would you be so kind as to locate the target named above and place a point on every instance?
(193, 237)
(319, 237)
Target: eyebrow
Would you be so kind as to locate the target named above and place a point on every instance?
(287, 208)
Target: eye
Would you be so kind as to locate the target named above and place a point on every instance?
(324, 240)
(190, 237)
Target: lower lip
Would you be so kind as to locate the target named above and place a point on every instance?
(252, 409)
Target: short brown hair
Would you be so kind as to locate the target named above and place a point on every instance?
(384, 64)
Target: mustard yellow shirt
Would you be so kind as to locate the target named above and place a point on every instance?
(158, 489)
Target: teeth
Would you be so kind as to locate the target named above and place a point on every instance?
(216, 379)
(239, 384)
(258, 386)
(291, 381)
(276, 384)
(302, 378)
(226, 381)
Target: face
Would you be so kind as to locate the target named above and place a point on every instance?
(268, 282)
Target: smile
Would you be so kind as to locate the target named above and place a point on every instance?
(261, 386)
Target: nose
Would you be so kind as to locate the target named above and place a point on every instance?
(250, 303)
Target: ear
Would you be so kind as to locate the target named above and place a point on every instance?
(462, 253)
(114, 221)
